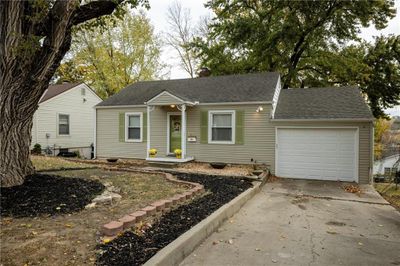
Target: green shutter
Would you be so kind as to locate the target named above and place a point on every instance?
(121, 127)
(144, 127)
(239, 133)
(204, 127)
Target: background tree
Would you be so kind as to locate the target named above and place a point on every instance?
(180, 36)
(34, 37)
(290, 37)
(116, 56)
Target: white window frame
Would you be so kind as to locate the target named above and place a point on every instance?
(210, 118)
(140, 114)
(58, 125)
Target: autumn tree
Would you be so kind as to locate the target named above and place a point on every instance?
(180, 35)
(34, 37)
(115, 56)
(293, 37)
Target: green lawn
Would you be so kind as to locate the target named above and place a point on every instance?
(390, 193)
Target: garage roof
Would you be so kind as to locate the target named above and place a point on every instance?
(216, 89)
(322, 103)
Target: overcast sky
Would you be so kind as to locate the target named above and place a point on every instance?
(157, 15)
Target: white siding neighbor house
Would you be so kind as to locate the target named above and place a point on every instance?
(385, 166)
(64, 120)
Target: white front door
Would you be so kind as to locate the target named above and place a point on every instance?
(317, 153)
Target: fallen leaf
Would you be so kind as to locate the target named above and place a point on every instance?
(274, 261)
(215, 242)
(361, 244)
(380, 225)
(106, 240)
(331, 232)
(258, 249)
(230, 241)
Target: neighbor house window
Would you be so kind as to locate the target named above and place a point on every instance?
(387, 170)
(133, 124)
(221, 127)
(63, 124)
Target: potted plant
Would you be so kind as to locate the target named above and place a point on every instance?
(178, 153)
(153, 152)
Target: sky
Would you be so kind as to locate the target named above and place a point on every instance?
(157, 15)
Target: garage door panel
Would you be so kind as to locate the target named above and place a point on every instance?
(316, 153)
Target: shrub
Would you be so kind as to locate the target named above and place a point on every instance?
(37, 149)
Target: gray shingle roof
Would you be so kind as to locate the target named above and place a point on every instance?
(54, 90)
(215, 89)
(322, 103)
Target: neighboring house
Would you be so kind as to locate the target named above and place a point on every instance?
(385, 166)
(314, 133)
(64, 120)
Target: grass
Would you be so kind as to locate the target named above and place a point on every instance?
(71, 239)
(390, 193)
(51, 163)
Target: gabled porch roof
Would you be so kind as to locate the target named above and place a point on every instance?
(167, 98)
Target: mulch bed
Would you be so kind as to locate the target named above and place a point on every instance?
(42, 194)
(133, 249)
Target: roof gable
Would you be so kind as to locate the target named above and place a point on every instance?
(57, 89)
(165, 98)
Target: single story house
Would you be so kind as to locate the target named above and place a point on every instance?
(386, 165)
(312, 133)
(64, 120)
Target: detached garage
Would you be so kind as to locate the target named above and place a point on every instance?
(323, 134)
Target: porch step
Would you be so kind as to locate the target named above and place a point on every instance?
(163, 164)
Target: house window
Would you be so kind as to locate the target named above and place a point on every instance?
(387, 170)
(63, 124)
(133, 124)
(221, 127)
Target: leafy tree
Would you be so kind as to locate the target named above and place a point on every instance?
(34, 37)
(375, 68)
(116, 56)
(291, 37)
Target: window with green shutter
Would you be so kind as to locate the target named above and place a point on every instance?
(204, 127)
(239, 134)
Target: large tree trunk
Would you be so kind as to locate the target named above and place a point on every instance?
(34, 38)
(15, 138)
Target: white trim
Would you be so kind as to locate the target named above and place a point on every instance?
(168, 130)
(183, 131)
(356, 144)
(95, 134)
(325, 120)
(58, 125)
(148, 130)
(165, 93)
(202, 104)
(275, 99)
(236, 103)
(231, 112)
(169, 159)
(140, 114)
(120, 106)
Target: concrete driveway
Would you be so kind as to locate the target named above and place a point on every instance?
(298, 222)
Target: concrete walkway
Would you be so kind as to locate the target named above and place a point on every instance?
(297, 222)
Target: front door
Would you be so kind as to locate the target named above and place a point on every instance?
(174, 133)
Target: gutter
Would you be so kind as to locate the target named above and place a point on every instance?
(325, 120)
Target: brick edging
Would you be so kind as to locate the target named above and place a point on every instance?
(115, 227)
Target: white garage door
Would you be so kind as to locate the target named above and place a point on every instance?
(317, 153)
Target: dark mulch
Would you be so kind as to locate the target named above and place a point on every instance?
(42, 194)
(132, 249)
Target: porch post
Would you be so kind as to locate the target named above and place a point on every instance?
(183, 144)
(148, 131)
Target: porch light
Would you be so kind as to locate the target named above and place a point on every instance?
(259, 109)
(172, 105)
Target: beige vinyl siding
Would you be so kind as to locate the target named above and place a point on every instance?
(258, 137)
(108, 143)
(81, 120)
(365, 147)
(165, 99)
